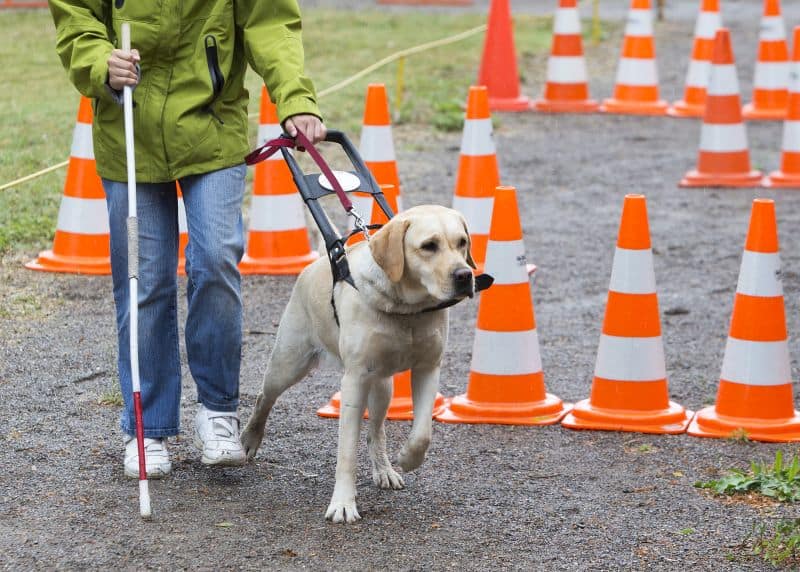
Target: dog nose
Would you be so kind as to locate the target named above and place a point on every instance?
(462, 279)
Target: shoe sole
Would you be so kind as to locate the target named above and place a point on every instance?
(155, 474)
(226, 461)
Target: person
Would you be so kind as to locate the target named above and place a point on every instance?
(190, 126)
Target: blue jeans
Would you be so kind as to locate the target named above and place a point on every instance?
(213, 334)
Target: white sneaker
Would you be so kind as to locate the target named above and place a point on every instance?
(216, 434)
(156, 457)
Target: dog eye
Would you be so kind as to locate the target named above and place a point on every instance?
(462, 243)
(430, 246)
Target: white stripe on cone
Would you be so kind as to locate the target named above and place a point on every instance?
(83, 216)
(760, 274)
(707, 25)
(630, 359)
(476, 138)
(567, 22)
(566, 69)
(376, 143)
(640, 23)
(183, 226)
(476, 211)
(771, 75)
(638, 72)
(698, 74)
(724, 80)
(82, 147)
(791, 136)
(772, 29)
(632, 272)
(505, 261)
(506, 353)
(723, 138)
(756, 363)
(268, 131)
(276, 213)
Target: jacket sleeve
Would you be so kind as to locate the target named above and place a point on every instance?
(83, 44)
(274, 48)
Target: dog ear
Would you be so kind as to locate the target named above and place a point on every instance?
(470, 261)
(387, 248)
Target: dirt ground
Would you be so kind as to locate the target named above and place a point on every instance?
(489, 497)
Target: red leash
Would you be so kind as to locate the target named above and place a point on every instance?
(269, 148)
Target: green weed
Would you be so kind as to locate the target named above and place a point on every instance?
(776, 480)
(111, 398)
(778, 545)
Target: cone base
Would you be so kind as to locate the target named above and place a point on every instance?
(276, 266)
(520, 103)
(48, 261)
(460, 409)
(781, 180)
(683, 109)
(671, 421)
(634, 108)
(697, 179)
(708, 423)
(749, 111)
(566, 106)
(400, 408)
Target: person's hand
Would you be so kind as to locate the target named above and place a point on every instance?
(122, 69)
(310, 125)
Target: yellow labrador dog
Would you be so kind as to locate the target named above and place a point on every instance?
(418, 260)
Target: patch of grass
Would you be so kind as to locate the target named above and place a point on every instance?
(776, 480)
(38, 105)
(739, 435)
(779, 544)
(111, 398)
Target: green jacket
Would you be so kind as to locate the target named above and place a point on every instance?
(190, 113)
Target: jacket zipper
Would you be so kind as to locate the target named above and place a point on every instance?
(217, 79)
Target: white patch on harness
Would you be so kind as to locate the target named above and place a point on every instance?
(348, 181)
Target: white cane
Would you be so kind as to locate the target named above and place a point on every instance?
(133, 275)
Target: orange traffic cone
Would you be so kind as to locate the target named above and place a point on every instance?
(723, 160)
(377, 150)
(183, 232)
(789, 173)
(81, 243)
(694, 98)
(401, 407)
(636, 90)
(506, 382)
(498, 71)
(478, 175)
(755, 387)
(629, 390)
(567, 88)
(278, 239)
(770, 85)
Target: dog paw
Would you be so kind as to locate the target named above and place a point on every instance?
(251, 441)
(388, 478)
(411, 458)
(342, 511)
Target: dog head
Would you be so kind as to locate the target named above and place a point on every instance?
(426, 251)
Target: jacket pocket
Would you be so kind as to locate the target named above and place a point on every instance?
(215, 73)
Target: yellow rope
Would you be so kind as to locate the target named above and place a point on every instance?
(32, 176)
(341, 85)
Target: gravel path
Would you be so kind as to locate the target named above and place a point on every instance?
(488, 497)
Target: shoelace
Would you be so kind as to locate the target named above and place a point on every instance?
(222, 426)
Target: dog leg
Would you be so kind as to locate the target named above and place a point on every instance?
(291, 360)
(424, 384)
(383, 475)
(342, 507)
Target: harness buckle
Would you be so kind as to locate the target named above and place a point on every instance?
(359, 224)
